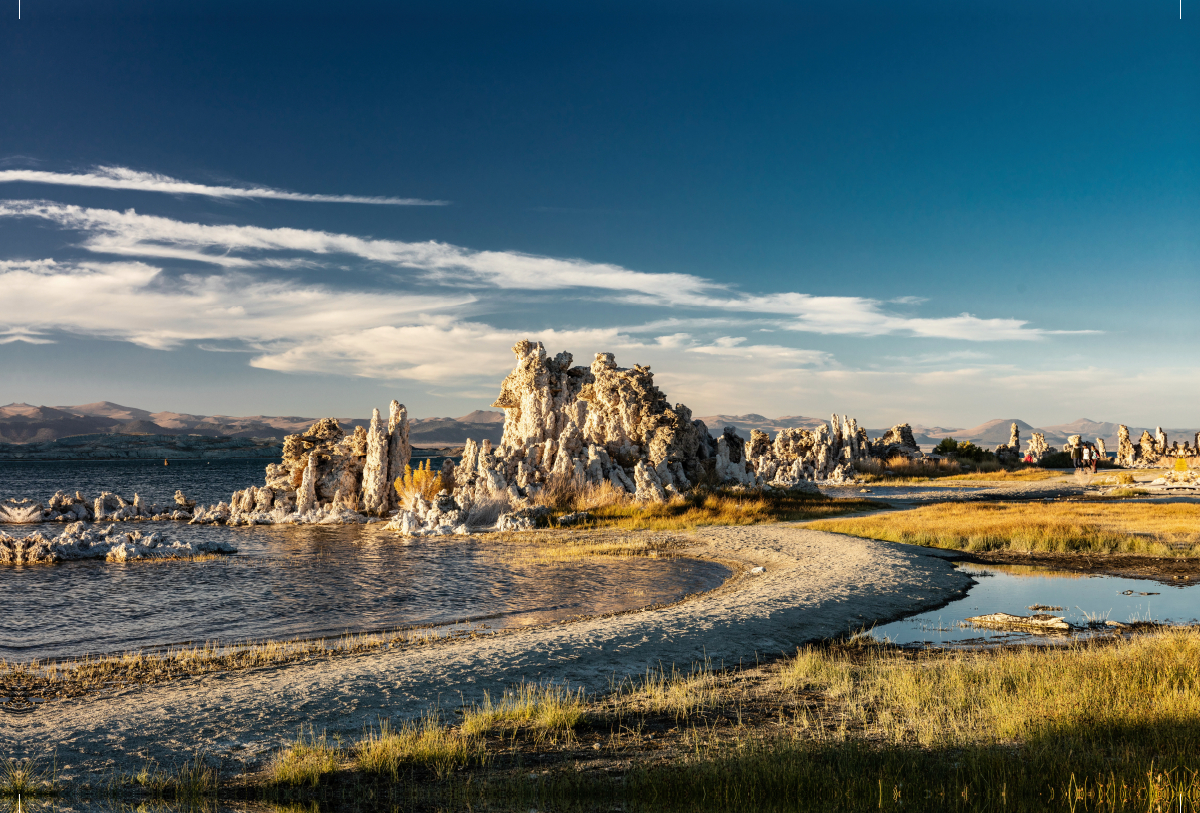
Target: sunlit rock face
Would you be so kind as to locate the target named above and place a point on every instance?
(1010, 452)
(799, 458)
(601, 424)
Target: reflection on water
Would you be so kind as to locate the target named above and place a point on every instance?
(288, 581)
(206, 481)
(310, 581)
(1015, 589)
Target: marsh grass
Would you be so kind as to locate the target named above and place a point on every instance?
(549, 711)
(426, 743)
(305, 760)
(76, 677)
(723, 507)
(871, 726)
(195, 779)
(1153, 530)
(27, 778)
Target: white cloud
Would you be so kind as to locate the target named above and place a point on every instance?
(131, 234)
(123, 178)
(135, 235)
(131, 301)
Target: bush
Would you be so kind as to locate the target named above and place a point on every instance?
(422, 481)
(1056, 460)
(948, 446)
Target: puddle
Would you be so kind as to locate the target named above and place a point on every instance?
(1015, 589)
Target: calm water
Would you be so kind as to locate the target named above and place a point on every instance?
(206, 481)
(1015, 588)
(290, 581)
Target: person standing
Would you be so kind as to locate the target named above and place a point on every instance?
(1076, 456)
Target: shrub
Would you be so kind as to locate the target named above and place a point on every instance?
(948, 446)
(423, 481)
(1056, 460)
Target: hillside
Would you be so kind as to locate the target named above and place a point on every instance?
(25, 423)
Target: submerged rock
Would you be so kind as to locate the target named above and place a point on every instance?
(81, 541)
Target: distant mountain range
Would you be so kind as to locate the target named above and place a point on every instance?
(989, 434)
(25, 423)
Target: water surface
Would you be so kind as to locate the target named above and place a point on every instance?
(1015, 588)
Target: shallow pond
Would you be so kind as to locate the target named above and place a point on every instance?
(1015, 589)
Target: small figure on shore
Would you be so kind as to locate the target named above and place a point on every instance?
(1076, 456)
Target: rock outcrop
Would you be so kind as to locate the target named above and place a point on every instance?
(79, 541)
(601, 425)
(1126, 455)
(1038, 447)
(798, 458)
(1010, 452)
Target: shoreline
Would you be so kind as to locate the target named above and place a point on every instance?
(816, 585)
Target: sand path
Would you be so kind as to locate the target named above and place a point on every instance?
(815, 585)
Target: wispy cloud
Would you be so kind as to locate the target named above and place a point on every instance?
(453, 267)
(124, 178)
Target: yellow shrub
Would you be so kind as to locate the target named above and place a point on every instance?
(423, 481)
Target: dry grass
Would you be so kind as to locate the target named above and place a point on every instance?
(1154, 530)
(78, 677)
(1031, 474)
(547, 711)
(902, 471)
(425, 743)
(723, 507)
(305, 761)
(568, 493)
(26, 779)
(875, 470)
(195, 779)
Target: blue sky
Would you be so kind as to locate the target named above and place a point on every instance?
(940, 212)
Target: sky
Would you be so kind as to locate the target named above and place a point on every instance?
(934, 212)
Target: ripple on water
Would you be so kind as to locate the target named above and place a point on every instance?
(311, 581)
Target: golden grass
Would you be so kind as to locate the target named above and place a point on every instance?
(26, 778)
(1154, 530)
(548, 711)
(725, 507)
(423, 481)
(426, 743)
(305, 761)
(1024, 729)
(1031, 474)
(1149, 683)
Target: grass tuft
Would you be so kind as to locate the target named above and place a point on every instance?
(426, 743)
(27, 779)
(305, 761)
(548, 711)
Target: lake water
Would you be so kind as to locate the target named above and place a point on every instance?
(1015, 588)
(293, 581)
(206, 481)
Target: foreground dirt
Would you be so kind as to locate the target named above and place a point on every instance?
(814, 586)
